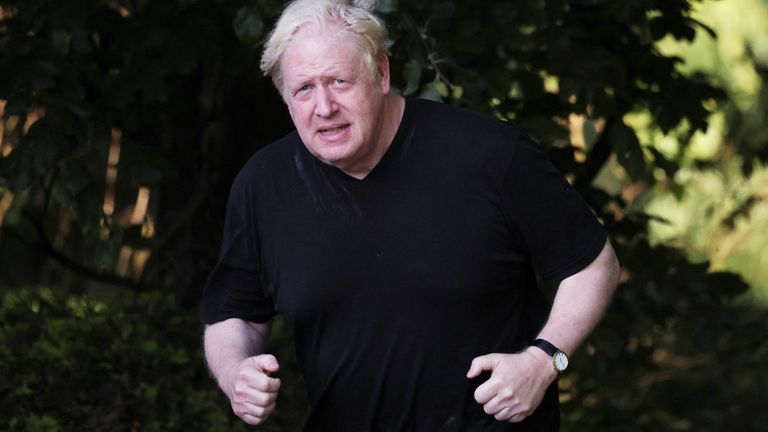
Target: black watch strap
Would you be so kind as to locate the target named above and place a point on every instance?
(545, 346)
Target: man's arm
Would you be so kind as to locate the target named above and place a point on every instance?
(581, 301)
(518, 381)
(234, 353)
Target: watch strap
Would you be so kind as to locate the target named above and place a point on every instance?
(545, 346)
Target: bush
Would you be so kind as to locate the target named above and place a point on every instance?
(75, 363)
(677, 351)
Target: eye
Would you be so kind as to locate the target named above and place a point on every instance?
(303, 89)
(341, 83)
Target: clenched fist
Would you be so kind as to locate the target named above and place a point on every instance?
(251, 390)
(517, 383)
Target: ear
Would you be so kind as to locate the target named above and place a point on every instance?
(383, 73)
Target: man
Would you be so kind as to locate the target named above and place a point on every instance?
(400, 239)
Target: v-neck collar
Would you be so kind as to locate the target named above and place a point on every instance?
(401, 136)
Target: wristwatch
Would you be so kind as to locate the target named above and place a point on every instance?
(559, 358)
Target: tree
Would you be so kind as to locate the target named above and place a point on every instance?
(157, 84)
(125, 121)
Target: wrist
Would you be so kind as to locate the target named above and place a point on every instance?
(558, 359)
(226, 377)
(543, 362)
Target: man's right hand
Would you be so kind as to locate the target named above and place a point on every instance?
(252, 391)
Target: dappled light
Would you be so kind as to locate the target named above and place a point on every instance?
(111, 177)
(130, 261)
(123, 125)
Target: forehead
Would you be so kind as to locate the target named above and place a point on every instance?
(315, 50)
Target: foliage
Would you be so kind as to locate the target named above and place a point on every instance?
(159, 78)
(676, 351)
(175, 84)
(167, 81)
(720, 216)
(715, 207)
(75, 363)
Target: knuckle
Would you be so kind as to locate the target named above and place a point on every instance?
(238, 383)
(506, 393)
(260, 399)
(479, 395)
(260, 384)
(269, 398)
(526, 407)
(269, 409)
(240, 395)
(242, 377)
(269, 385)
(237, 397)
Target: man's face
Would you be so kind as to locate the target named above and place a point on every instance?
(336, 104)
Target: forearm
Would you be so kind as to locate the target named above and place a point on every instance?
(581, 301)
(228, 343)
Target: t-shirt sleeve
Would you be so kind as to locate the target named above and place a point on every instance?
(560, 233)
(235, 288)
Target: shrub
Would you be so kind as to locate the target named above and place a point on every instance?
(73, 363)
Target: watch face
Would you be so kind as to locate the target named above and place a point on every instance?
(561, 361)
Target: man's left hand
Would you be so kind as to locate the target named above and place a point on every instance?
(517, 383)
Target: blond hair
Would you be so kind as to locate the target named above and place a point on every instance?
(356, 17)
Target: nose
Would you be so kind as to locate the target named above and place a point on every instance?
(325, 105)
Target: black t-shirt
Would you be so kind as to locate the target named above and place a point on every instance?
(394, 283)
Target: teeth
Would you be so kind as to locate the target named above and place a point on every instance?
(331, 131)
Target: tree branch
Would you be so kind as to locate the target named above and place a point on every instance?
(44, 244)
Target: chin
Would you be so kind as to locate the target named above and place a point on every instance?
(334, 153)
(336, 160)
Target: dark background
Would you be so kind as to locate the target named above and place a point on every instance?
(124, 123)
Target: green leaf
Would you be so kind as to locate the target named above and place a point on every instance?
(412, 75)
(431, 92)
(249, 25)
(628, 150)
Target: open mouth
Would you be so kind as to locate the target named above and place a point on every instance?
(334, 130)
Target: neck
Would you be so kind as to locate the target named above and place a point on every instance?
(392, 115)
